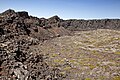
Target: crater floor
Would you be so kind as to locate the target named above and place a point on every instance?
(87, 55)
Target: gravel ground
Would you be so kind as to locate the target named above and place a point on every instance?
(88, 55)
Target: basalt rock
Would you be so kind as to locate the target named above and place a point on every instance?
(19, 31)
(8, 12)
(23, 14)
(91, 24)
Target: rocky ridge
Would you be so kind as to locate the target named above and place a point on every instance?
(19, 31)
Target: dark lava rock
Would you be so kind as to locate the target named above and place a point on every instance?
(23, 14)
(54, 19)
(19, 31)
(1, 31)
(9, 20)
(91, 24)
(7, 12)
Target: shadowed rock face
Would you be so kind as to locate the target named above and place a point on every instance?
(19, 31)
(23, 14)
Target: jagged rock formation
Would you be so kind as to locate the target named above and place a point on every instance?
(19, 31)
(91, 24)
(23, 24)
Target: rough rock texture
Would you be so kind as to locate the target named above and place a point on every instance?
(91, 24)
(19, 31)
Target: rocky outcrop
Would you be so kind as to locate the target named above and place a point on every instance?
(19, 31)
(91, 24)
(23, 14)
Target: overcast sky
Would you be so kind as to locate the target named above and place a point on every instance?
(66, 9)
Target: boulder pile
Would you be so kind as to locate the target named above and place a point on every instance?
(19, 31)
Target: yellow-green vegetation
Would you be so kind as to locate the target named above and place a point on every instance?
(92, 66)
(72, 60)
(95, 52)
(63, 73)
(88, 55)
(117, 53)
(116, 78)
(116, 38)
(53, 54)
(87, 79)
(107, 49)
(101, 78)
(59, 61)
(67, 68)
(118, 59)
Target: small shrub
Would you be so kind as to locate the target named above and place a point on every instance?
(117, 53)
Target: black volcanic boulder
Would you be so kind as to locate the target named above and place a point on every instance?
(23, 14)
(8, 12)
(54, 19)
(1, 31)
(9, 20)
(32, 21)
